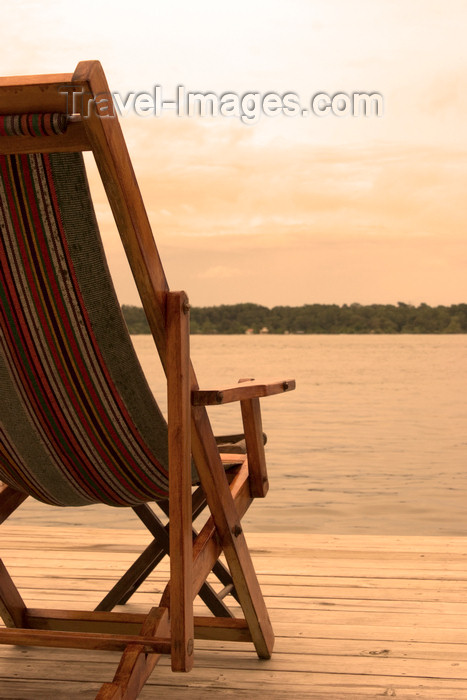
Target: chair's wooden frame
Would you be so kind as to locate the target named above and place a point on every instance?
(171, 627)
(156, 550)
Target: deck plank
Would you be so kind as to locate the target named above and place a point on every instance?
(355, 617)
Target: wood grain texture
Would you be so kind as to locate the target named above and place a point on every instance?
(180, 507)
(355, 617)
(248, 389)
(253, 429)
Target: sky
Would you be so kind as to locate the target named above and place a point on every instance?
(284, 209)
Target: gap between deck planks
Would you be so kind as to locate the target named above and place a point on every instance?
(355, 617)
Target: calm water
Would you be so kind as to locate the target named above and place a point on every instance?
(373, 440)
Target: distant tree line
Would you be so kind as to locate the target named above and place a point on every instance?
(316, 318)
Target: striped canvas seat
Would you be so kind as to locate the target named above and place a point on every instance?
(78, 422)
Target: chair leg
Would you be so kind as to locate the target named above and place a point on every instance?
(250, 595)
(10, 500)
(232, 539)
(12, 607)
(155, 552)
(136, 666)
(134, 577)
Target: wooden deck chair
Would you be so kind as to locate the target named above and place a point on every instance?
(78, 422)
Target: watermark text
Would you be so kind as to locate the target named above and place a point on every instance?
(249, 107)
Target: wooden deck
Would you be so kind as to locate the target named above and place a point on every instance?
(355, 617)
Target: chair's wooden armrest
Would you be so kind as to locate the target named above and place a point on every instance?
(247, 389)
